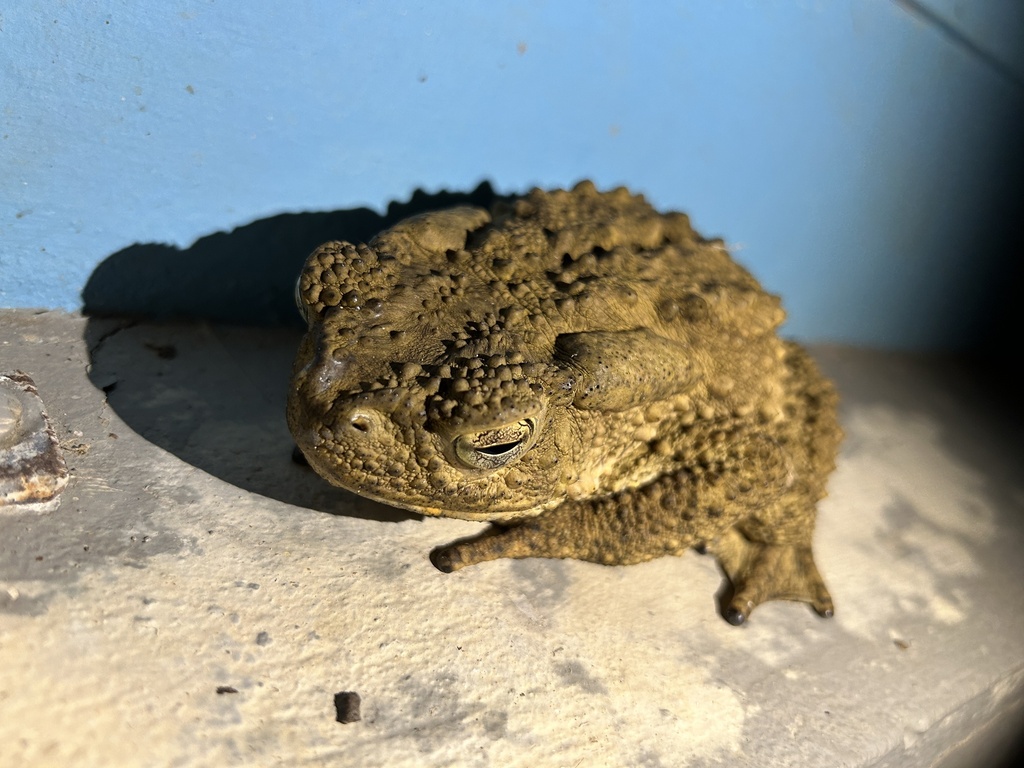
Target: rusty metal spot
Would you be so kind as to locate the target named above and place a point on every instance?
(32, 469)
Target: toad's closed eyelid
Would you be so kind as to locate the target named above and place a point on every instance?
(495, 448)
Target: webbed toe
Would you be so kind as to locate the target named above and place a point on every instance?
(760, 572)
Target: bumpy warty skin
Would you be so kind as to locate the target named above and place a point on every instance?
(589, 374)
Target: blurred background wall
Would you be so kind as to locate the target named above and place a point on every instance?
(862, 157)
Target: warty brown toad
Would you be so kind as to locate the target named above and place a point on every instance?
(589, 375)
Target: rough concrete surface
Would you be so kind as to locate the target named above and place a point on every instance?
(198, 599)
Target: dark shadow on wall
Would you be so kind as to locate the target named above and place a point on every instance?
(167, 345)
(246, 276)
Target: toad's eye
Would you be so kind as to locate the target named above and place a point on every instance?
(496, 448)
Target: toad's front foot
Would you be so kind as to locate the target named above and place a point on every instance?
(447, 559)
(760, 572)
(492, 544)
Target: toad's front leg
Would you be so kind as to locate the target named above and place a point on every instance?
(628, 527)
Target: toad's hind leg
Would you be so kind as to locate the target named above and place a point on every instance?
(761, 571)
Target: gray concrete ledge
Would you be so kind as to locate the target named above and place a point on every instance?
(198, 599)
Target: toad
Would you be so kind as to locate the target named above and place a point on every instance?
(592, 377)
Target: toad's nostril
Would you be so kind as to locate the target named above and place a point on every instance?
(361, 421)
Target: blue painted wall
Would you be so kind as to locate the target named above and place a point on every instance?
(858, 154)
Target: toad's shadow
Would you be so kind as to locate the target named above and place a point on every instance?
(184, 344)
(246, 276)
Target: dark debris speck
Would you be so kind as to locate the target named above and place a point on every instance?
(346, 707)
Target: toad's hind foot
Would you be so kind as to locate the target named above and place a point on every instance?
(760, 572)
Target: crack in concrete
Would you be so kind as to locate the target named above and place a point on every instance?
(122, 325)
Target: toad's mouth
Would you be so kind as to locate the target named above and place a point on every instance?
(468, 500)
